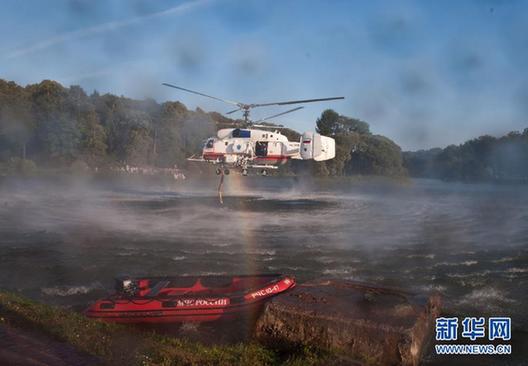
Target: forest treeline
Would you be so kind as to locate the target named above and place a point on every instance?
(49, 126)
(358, 151)
(54, 126)
(486, 158)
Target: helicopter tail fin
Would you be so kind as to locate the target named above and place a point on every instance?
(317, 147)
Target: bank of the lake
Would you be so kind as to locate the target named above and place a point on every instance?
(94, 341)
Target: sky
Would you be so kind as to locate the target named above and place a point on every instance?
(423, 73)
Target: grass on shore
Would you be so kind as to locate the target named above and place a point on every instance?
(120, 345)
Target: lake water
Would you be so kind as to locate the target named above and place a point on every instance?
(64, 243)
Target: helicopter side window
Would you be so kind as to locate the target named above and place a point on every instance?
(209, 144)
(261, 148)
(237, 132)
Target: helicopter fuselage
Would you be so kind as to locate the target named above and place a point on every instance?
(261, 149)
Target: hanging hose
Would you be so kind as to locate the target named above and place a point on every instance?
(220, 185)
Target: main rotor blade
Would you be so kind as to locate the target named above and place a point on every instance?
(266, 126)
(296, 101)
(279, 114)
(202, 94)
(233, 111)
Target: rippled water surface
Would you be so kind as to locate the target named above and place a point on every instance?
(64, 243)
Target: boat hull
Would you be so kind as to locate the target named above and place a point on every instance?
(198, 302)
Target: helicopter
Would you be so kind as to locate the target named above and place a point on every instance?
(256, 147)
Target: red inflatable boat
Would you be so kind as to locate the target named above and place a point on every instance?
(187, 299)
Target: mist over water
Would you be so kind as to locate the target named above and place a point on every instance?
(63, 243)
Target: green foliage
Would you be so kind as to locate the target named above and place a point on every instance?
(376, 155)
(485, 158)
(420, 163)
(332, 124)
(121, 345)
(16, 122)
(55, 126)
(79, 167)
(167, 137)
(327, 123)
(357, 150)
(20, 166)
(345, 144)
(196, 127)
(93, 138)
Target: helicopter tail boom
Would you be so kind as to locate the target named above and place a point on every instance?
(317, 147)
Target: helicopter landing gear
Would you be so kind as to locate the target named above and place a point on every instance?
(244, 172)
(218, 171)
(226, 171)
(264, 172)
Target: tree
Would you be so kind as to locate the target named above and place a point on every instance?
(376, 155)
(196, 128)
(482, 159)
(17, 124)
(168, 137)
(348, 125)
(420, 163)
(57, 134)
(344, 147)
(137, 149)
(357, 151)
(327, 123)
(331, 124)
(93, 138)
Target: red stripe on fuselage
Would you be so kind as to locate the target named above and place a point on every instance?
(272, 157)
(280, 159)
(215, 156)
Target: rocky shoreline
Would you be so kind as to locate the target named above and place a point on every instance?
(372, 324)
